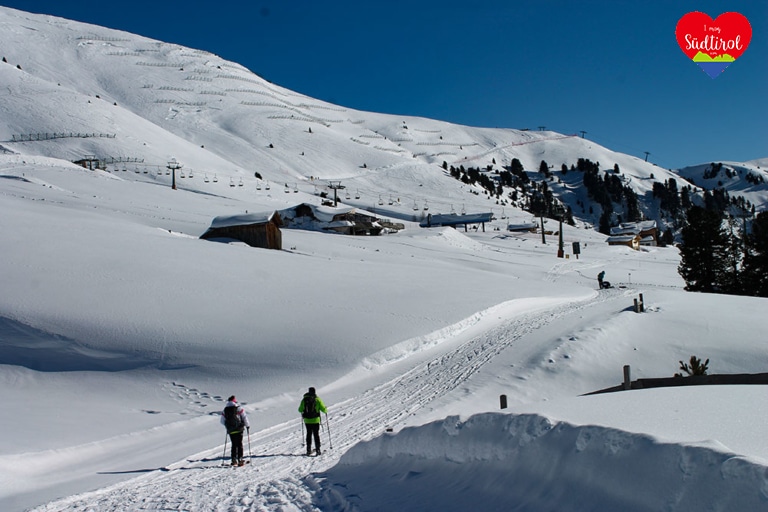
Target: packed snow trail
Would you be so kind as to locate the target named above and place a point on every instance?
(277, 479)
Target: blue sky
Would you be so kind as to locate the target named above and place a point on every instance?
(610, 68)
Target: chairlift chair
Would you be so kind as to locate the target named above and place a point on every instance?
(267, 186)
(205, 179)
(231, 182)
(241, 183)
(215, 178)
(357, 195)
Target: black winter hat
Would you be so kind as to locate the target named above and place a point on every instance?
(311, 391)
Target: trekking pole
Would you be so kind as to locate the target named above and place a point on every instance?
(250, 455)
(224, 456)
(302, 432)
(328, 428)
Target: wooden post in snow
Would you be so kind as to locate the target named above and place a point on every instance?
(627, 379)
(503, 401)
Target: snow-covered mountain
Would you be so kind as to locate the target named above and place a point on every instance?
(122, 332)
(142, 102)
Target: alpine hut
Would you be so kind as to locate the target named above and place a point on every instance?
(255, 229)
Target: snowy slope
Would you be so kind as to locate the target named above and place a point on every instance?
(90, 79)
(121, 332)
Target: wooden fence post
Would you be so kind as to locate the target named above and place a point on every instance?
(642, 303)
(627, 379)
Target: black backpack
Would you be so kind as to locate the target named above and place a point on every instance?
(310, 407)
(232, 420)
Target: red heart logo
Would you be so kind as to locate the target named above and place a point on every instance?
(725, 38)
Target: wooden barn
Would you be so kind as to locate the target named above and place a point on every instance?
(255, 229)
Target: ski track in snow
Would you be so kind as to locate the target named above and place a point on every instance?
(280, 477)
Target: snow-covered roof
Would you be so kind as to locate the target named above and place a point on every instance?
(321, 213)
(625, 230)
(620, 239)
(327, 213)
(242, 219)
(452, 219)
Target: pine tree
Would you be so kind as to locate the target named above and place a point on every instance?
(755, 270)
(704, 251)
(696, 367)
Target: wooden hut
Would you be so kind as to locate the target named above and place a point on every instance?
(255, 229)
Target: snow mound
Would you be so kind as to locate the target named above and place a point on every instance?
(498, 461)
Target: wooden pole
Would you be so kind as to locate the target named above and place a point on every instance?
(627, 379)
(503, 401)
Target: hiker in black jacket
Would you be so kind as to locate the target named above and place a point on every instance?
(235, 420)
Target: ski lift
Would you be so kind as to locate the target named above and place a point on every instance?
(146, 171)
(426, 206)
(241, 183)
(167, 172)
(258, 185)
(267, 186)
(205, 179)
(391, 202)
(415, 206)
(182, 175)
(215, 178)
(453, 212)
(295, 188)
(381, 202)
(136, 170)
(231, 182)
(286, 190)
(190, 174)
(357, 195)
(348, 196)
(463, 211)
(159, 171)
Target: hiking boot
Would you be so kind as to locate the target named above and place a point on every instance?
(234, 463)
(241, 462)
(318, 452)
(309, 452)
